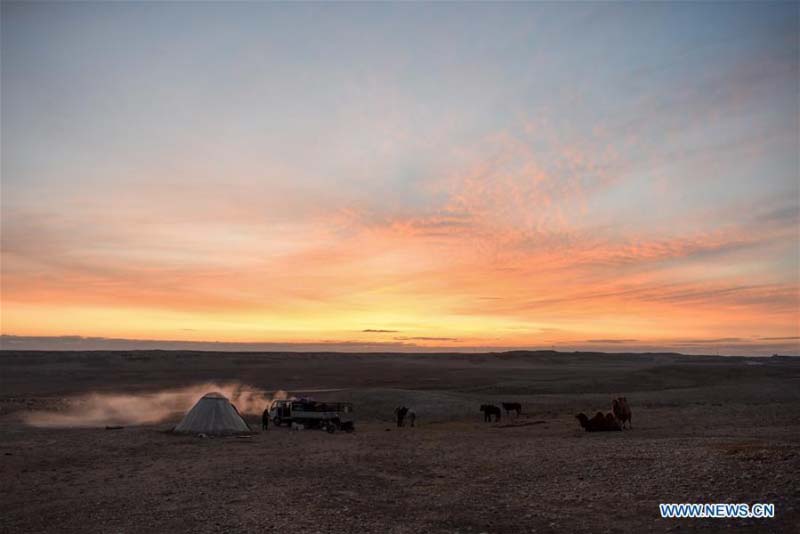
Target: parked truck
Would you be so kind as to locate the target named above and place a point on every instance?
(330, 416)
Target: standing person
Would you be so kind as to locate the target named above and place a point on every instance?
(400, 414)
(265, 419)
(412, 416)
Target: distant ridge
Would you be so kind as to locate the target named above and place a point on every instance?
(11, 343)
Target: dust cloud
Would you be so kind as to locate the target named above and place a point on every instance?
(98, 409)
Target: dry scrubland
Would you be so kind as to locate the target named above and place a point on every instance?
(704, 429)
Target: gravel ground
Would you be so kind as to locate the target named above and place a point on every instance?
(737, 441)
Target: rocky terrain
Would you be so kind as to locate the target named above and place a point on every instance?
(705, 429)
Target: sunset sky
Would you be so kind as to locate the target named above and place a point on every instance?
(403, 176)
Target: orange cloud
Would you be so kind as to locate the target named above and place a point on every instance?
(500, 256)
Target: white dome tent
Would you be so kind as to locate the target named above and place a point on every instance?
(213, 414)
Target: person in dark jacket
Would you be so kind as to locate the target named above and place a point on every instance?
(265, 420)
(400, 414)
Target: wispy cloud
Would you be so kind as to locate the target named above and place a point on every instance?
(612, 341)
(426, 338)
(499, 204)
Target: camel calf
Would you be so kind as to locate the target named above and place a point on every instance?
(622, 411)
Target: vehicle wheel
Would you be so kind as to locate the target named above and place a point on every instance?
(278, 421)
(331, 428)
(350, 429)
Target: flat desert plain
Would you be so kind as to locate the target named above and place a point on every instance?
(705, 429)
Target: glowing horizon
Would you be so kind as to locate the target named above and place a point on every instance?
(524, 175)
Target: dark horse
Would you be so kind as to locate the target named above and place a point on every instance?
(400, 413)
(512, 406)
(490, 410)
